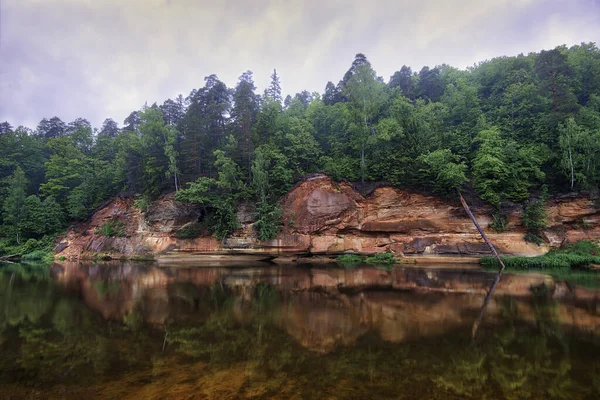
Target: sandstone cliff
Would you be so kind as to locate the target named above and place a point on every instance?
(323, 217)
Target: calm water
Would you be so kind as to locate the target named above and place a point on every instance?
(268, 332)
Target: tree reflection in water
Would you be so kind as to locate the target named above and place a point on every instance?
(261, 340)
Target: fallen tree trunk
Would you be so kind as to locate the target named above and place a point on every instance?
(10, 258)
(495, 253)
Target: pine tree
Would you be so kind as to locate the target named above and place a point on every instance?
(273, 92)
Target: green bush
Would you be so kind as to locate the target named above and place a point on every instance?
(32, 249)
(141, 203)
(584, 247)
(34, 255)
(381, 258)
(533, 238)
(112, 229)
(349, 260)
(534, 218)
(269, 221)
(499, 222)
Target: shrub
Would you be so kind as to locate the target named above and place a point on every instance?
(269, 221)
(534, 218)
(141, 203)
(381, 258)
(349, 260)
(34, 255)
(499, 222)
(112, 229)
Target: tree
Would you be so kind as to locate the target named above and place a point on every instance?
(5, 128)
(51, 128)
(273, 92)
(404, 80)
(14, 204)
(333, 94)
(65, 168)
(109, 128)
(80, 132)
(580, 150)
(42, 217)
(366, 95)
(271, 177)
(430, 85)
(132, 121)
(445, 170)
(218, 196)
(173, 111)
(158, 154)
(244, 115)
(554, 73)
(584, 61)
(204, 128)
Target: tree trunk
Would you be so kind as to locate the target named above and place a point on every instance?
(495, 253)
(572, 169)
(362, 163)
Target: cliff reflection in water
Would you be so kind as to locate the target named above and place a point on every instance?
(277, 332)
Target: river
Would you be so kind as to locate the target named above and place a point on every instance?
(263, 331)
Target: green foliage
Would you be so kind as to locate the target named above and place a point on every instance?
(582, 248)
(31, 250)
(269, 221)
(534, 218)
(225, 220)
(14, 205)
(35, 255)
(499, 222)
(444, 170)
(578, 255)
(141, 203)
(112, 229)
(506, 126)
(349, 260)
(381, 258)
(42, 217)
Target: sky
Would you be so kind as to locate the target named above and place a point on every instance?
(105, 58)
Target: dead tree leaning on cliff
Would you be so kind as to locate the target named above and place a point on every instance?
(495, 253)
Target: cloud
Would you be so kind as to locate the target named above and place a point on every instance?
(99, 59)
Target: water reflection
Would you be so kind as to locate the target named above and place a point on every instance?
(118, 330)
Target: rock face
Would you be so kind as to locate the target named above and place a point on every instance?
(325, 217)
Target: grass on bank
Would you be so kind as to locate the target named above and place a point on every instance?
(353, 260)
(580, 255)
(40, 250)
(571, 263)
(112, 229)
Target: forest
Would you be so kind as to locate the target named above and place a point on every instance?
(506, 130)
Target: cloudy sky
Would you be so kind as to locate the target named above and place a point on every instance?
(104, 58)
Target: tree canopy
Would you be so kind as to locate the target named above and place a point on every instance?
(501, 129)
